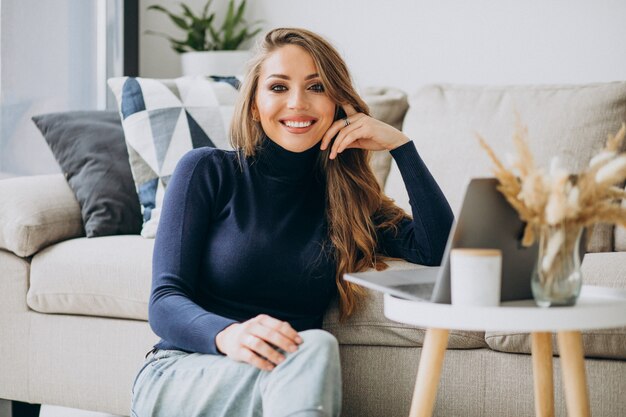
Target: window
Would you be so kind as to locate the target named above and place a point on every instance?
(55, 56)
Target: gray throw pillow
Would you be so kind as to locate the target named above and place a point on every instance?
(90, 148)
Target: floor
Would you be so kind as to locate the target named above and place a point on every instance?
(53, 411)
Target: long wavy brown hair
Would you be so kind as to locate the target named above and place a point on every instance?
(355, 204)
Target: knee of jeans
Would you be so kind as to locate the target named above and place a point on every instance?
(316, 339)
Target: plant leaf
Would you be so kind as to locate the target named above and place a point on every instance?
(178, 21)
(239, 15)
(214, 36)
(176, 45)
(187, 11)
(234, 43)
(206, 10)
(233, 31)
(158, 8)
(195, 41)
(253, 34)
(228, 25)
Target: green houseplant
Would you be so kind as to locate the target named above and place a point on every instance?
(209, 48)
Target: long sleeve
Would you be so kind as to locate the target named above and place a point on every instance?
(179, 245)
(423, 239)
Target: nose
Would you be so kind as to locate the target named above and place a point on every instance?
(297, 100)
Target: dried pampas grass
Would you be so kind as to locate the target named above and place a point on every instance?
(560, 198)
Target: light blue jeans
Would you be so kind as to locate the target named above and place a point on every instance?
(173, 383)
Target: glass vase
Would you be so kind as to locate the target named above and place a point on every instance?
(557, 278)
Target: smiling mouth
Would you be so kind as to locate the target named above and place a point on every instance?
(298, 125)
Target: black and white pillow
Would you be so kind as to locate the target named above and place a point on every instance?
(163, 120)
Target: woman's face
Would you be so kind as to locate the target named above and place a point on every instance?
(291, 102)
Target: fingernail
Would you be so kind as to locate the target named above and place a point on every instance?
(298, 339)
(292, 348)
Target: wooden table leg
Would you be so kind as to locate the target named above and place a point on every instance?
(429, 372)
(542, 374)
(573, 369)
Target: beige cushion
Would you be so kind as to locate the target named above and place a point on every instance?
(369, 326)
(388, 105)
(111, 277)
(37, 211)
(605, 343)
(105, 276)
(567, 120)
(604, 269)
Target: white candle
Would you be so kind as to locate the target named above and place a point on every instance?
(475, 276)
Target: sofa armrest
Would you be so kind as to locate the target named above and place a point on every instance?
(37, 211)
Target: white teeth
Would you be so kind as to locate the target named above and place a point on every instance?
(290, 123)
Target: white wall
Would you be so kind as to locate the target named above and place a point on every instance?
(406, 43)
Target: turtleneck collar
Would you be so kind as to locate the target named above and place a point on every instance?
(285, 165)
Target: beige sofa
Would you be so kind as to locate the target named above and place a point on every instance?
(73, 310)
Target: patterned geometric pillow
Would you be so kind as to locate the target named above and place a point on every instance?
(163, 120)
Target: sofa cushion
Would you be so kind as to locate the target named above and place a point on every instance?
(603, 343)
(111, 277)
(107, 276)
(568, 120)
(89, 146)
(163, 120)
(369, 326)
(37, 211)
(603, 269)
(388, 105)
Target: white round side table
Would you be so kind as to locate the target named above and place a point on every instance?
(596, 308)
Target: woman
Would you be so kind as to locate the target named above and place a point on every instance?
(252, 244)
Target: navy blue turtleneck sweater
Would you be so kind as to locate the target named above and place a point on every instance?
(241, 237)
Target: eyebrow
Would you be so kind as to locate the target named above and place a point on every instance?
(286, 77)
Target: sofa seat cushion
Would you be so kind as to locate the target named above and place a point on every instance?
(369, 326)
(603, 269)
(111, 277)
(105, 276)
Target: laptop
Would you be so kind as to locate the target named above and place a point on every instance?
(486, 220)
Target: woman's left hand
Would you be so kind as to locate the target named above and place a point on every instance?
(362, 132)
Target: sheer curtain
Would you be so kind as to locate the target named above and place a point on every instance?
(54, 56)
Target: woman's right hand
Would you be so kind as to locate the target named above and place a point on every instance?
(255, 341)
